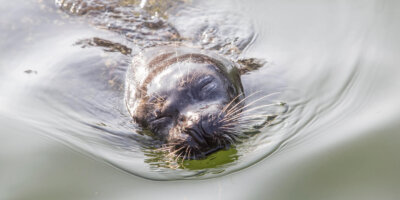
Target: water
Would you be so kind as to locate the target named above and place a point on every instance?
(336, 60)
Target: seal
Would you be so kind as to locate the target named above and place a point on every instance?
(189, 98)
(185, 96)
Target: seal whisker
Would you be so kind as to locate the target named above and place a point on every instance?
(229, 139)
(237, 114)
(177, 157)
(186, 153)
(190, 152)
(253, 117)
(232, 112)
(255, 101)
(163, 148)
(186, 156)
(244, 112)
(175, 151)
(264, 106)
(171, 145)
(228, 118)
(243, 100)
(252, 94)
(227, 128)
(226, 107)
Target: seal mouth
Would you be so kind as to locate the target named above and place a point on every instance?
(187, 151)
(199, 141)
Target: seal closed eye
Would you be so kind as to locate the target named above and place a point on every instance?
(182, 95)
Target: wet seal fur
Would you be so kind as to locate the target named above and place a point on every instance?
(184, 96)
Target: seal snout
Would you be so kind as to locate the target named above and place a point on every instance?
(198, 132)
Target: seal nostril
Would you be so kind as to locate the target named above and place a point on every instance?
(181, 118)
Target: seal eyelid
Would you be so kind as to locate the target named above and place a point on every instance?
(204, 81)
(209, 87)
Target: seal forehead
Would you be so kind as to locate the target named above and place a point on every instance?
(157, 60)
(163, 62)
(180, 75)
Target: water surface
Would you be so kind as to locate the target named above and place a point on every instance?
(336, 60)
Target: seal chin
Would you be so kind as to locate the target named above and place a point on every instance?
(200, 139)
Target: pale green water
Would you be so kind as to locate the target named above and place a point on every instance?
(341, 58)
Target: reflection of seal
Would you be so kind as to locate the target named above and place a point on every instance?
(184, 97)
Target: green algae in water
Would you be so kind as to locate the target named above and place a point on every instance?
(159, 159)
(214, 160)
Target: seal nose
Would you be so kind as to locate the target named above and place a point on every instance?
(200, 127)
(189, 119)
(191, 126)
(181, 118)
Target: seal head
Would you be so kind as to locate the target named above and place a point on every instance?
(182, 95)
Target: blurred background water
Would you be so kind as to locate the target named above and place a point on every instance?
(341, 58)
